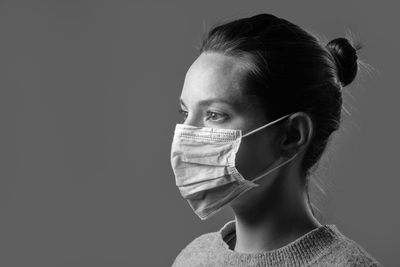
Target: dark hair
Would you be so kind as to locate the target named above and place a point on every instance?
(289, 70)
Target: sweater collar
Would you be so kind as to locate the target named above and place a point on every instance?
(301, 251)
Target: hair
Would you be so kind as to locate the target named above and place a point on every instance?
(290, 71)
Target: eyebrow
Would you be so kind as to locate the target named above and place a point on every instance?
(207, 102)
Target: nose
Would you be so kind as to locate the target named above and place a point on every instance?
(193, 121)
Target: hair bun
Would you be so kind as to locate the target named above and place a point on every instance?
(345, 56)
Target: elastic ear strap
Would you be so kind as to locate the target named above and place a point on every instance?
(273, 169)
(266, 125)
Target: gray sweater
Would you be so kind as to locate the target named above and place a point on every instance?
(323, 246)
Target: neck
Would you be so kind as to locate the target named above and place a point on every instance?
(274, 220)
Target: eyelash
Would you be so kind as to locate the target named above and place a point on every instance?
(184, 114)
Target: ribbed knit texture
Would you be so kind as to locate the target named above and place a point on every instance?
(323, 246)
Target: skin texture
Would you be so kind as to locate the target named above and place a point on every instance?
(275, 213)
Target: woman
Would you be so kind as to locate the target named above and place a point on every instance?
(259, 106)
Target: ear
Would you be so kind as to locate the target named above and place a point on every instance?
(297, 133)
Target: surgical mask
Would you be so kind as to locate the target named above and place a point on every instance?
(203, 161)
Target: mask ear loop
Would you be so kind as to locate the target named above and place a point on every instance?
(280, 165)
(266, 125)
(273, 169)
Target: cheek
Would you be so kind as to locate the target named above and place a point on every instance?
(255, 154)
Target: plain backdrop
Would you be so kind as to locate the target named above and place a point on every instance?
(88, 104)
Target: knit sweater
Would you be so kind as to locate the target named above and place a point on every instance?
(323, 246)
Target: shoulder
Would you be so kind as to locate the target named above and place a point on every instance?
(356, 255)
(197, 250)
(348, 252)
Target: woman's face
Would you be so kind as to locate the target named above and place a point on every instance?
(212, 96)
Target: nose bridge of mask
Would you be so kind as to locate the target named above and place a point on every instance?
(266, 125)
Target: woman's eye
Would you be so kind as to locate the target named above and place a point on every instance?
(215, 116)
(183, 113)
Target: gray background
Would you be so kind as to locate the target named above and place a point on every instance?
(89, 97)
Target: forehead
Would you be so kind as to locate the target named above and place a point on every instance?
(214, 75)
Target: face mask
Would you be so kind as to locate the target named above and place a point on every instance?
(203, 161)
